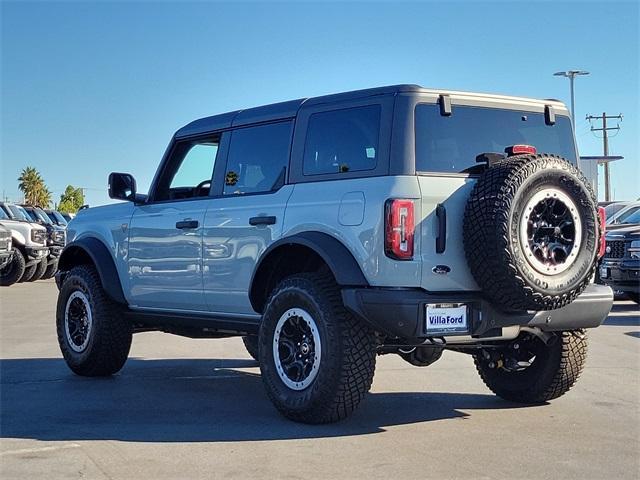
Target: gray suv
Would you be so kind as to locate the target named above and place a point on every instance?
(327, 231)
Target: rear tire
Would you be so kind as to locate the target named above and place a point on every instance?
(305, 383)
(93, 334)
(552, 373)
(251, 344)
(12, 272)
(40, 269)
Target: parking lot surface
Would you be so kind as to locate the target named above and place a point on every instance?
(184, 408)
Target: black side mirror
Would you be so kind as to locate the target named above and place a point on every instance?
(122, 186)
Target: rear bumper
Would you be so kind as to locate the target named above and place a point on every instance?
(401, 313)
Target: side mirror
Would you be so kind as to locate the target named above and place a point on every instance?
(122, 186)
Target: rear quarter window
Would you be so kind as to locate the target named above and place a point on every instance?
(341, 141)
(450, 144)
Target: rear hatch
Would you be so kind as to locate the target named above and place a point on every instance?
(446, 151)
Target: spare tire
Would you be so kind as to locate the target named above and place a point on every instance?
(531, 232)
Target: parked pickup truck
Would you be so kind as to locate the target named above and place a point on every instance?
(28, 242)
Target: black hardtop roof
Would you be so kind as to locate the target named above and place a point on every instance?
(287, 109)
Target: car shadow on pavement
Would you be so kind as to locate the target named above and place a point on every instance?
(184, 400)
(624, 314)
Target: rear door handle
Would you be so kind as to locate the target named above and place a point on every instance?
(262, 220)
(185, 224)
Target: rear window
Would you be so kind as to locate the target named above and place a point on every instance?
(341, 141)
(451, 144)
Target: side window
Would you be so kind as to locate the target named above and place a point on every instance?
(258, 158)
(341, 141)
(189, 170)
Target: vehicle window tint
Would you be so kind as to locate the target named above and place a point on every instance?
(450, 144)
(258, 158)
(342, 141)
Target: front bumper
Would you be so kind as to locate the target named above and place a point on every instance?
(35, 254)
(54, 252)
(400, 313)
(5, 257)
(623, 275)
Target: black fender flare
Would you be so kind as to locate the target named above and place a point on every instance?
(76, 252)
(338, 258)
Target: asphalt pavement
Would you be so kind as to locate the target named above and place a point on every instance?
(191, 409)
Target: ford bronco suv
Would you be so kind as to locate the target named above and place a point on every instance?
(29, 245)
(329, 230)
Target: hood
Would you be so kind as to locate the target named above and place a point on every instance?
(623, 231)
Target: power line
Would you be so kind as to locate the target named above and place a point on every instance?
(605, 144)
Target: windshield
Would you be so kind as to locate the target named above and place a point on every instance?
(632, 219)
(57, 217)
(18, 213)
(622, 216)
(42, 216)
(450, 144)
(612, 209)
(3, 215)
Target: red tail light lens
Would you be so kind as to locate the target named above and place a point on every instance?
(520, 149)
(603, 229)
(399, 229)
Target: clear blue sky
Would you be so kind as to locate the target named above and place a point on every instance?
(89, 88)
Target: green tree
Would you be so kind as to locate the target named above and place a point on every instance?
(71, 200)
(33, 187)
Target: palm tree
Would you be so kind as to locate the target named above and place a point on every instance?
(33, 187)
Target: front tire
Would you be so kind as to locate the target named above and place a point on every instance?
(28, 273)
(93, 335)
(552, 373)
(317, 360)
(12, 272)
(51, 270)
(39, 272)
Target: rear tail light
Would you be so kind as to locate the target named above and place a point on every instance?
(603, 229)
(520, 149)
(399, 229)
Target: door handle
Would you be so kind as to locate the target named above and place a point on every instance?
(185, 224)
(262, 220)
(441, 239)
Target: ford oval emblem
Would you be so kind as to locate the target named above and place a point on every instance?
(441, 269)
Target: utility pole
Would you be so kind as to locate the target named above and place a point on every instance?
(605, 144)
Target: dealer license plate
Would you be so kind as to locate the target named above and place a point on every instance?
(446, 319)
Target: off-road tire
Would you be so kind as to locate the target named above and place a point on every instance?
(497, 258)
(348, 352)
(550, 376)
(110, 336)
(28, 273)
(51, 270)
(12, 272)
(251, 345)
(39, 272)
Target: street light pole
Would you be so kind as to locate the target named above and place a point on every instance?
(571, 75)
